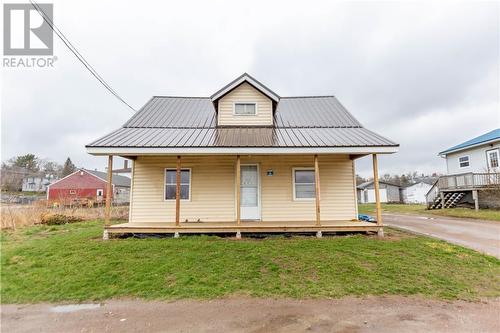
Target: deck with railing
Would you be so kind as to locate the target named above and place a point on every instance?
(462, 182)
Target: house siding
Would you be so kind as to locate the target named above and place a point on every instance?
(477, 160)
(213, 189)
(245, 93)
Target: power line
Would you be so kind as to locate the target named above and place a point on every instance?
(77, 54)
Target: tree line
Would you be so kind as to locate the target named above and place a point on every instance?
(402, 180)
(16, 168)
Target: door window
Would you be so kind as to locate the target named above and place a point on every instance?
(493, 158)
(249, 186)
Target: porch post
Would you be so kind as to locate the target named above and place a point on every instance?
(178, 191)
(238, 189)
(317, 190)
(109, 186)
(377, 193)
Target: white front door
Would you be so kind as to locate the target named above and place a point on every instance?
(249, 185)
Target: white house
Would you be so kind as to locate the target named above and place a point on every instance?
(478, 155)
(473, 177)
(415, 193)
(37, 183)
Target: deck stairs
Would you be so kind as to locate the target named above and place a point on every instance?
(451, 199)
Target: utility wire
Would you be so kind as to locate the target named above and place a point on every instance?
(77, 54)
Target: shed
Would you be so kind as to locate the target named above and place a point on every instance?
(389, 192)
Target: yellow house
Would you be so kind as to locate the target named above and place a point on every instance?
(242, 160)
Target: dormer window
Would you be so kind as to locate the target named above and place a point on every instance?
(245, 109)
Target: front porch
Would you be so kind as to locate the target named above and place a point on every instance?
(245, 194)
(243, 227)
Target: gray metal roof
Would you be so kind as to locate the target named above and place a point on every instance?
(369, 184)
(243, 137)
(116, 179)
(314, 121)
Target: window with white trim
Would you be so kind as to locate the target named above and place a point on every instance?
(304, 186)
(493, 158)
(463, 161)
(171, 184)
(245, 109)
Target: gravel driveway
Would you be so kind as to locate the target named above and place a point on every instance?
(368, 314)
(483, 236)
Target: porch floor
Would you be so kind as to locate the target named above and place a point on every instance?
(245, 226)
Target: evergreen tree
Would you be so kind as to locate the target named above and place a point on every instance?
(68, 168)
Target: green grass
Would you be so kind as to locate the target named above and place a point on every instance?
(72, 263)
(483, 214)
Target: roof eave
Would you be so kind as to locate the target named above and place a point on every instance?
(136, 151)
(456, 150)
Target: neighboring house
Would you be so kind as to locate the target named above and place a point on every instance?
(242, 160)
(415, 193)
(37, 183)
(88, 185)
(473, 174)
(388, 192)
(477, 155)
(125, 171)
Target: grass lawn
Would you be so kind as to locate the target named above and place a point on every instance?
(484, 214)
(72, 263)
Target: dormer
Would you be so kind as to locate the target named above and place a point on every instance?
(245, 102)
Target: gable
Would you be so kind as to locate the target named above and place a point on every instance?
(248, 79)
(245, 93)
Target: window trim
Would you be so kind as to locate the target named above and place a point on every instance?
(245, 115)
(488, 161)
(72, 192)
(468, 161)
(97, 192)
(165, 183)
(293, 184)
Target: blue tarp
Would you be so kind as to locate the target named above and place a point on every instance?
(367, 218)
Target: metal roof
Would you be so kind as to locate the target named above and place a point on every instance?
(487, 137)
(180, 122)
(242, 137)
(116, 179)
(368, 184)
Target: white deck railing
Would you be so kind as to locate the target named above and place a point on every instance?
(463, 181)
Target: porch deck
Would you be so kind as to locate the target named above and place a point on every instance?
(244, 227)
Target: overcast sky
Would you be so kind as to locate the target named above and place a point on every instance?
(422, 74)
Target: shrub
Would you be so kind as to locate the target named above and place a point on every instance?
(57, 219)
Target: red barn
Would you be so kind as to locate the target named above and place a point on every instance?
(87, 186)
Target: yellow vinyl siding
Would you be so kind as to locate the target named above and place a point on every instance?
(245, 93)
(213, 189)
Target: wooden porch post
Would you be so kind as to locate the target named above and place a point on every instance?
(177, 191)
(109, 194)
(377, 192)
(238, 189)
(317, 190)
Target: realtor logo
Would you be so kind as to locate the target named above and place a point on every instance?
(25, 32)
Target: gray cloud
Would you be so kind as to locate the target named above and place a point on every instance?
(424, 75)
